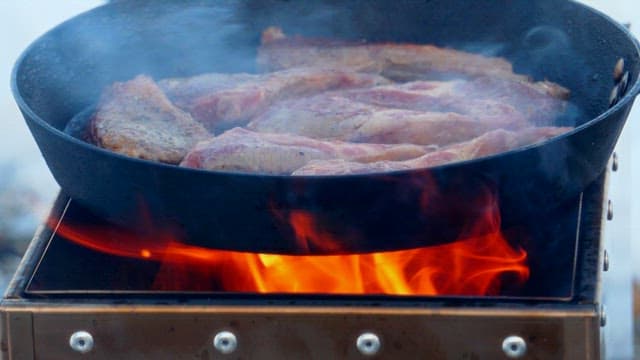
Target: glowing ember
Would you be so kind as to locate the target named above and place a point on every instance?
(476, 264)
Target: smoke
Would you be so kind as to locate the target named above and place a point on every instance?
(544, 41)
(67, 69)
(545, 51)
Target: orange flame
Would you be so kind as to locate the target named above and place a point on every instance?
(473, 265)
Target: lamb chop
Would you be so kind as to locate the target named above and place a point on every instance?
(227, 100)
(483, 98)
(493, 142)
(135, 118)
(337, 116)
(243, 150)
(396, 61)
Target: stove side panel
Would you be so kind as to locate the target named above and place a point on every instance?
(298, 333)
(16, 335)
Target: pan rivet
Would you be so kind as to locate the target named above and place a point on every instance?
(514, 347)
(624, 82)
(614, 162)
(613, 98)
(609, 210)
(81, 341)
(603, 316)
(618, 69)
(225, 342)
(368, 344)
(605, 261)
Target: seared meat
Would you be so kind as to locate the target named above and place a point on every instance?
(493, 142)
(336, 116)
(540, 102)
(484, 98)
(242, 150)
(396, 61)
(135, 118)
(225, 100)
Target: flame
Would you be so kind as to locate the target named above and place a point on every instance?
(309, 236)
(476, 264)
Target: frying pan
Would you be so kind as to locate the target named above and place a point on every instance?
(64, 71)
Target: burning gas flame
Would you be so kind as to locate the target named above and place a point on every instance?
(476, 264)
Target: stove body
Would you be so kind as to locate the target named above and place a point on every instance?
(66, 301)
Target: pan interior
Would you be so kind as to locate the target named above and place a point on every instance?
(65, 71)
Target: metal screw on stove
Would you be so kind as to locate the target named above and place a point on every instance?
(605, 261)
(614, 162)
(603, 316)
(368, 344)
(81, 341)
(225, 342)
(609, 210)
(514, 347)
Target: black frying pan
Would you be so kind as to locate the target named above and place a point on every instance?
(64, 72)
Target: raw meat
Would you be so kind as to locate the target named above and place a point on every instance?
(242, 150)
(491, 143)
(136, 119)
(227, 100)
(335, 116)
(396, 61)
(482, 98)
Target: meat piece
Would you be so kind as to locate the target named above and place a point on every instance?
(335, 116)
(484, 98)
(246, 151)
(408, 62)
(396, 61)
(540, 102)
(491, 143)
(135, 118)
(226, 100)
(346, 167)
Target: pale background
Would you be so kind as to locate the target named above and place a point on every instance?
(25, 180)
(621, 234)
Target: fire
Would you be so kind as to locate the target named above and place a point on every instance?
(476, 264)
